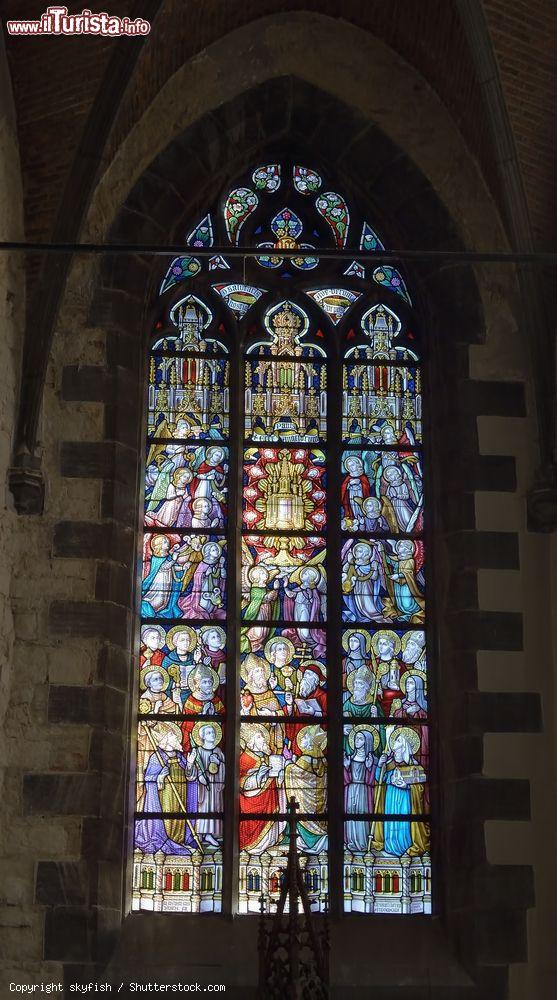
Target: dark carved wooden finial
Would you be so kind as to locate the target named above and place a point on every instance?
(293, 956)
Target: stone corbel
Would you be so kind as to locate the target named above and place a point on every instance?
(26, 483)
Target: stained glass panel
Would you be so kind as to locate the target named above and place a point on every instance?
(382, 492)
(334, 210)
(174, 652)
(180, 768)
(285, 401)
(381, 405)
(386, 770)
(383, 581)
(283, 671)
(180, 269)
(267, 178)
(281, 759)
(202, 234)
(369, 239)
(335, 302)
(186, 486)
(239, 206)
(389, 277)
(184, 576)
(178, 877)
(390, 882)
(188, 398)
(283, 579)
(306, 181)
(239, 298)
(284, 489)
(385, 340)
(384, 673)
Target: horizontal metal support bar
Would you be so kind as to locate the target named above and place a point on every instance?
(382, 256)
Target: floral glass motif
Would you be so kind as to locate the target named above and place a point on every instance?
(383, 580)
(355, 270)
(369, 239)
(267, 178)
(284, 489)
(186, 486)
(239, 206)
(239, 298)
(283, 671)
(283, 578)
(286, 226)
(180, 269)
(384, 674)
(334, 210)
(218, 263)
(202, 234)
(390, 278)
(306, 181)
(381, 404)
(335, 302)
(382, 492)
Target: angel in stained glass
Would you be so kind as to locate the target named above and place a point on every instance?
(408, 581)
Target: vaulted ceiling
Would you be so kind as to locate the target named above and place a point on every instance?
(55, 82)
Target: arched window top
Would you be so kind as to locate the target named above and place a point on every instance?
(286, 206)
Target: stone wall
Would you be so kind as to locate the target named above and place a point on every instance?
(68, 734)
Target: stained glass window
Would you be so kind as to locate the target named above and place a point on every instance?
(283, 634)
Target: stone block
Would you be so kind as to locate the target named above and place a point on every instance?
(61, 794)
(483, 550)
(90, 619)
(69, 932)
(504, 712)
(62, 883)
(486, 629)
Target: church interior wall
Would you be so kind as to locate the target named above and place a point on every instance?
(71, 587)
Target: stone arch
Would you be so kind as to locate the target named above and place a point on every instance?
(164, 193)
